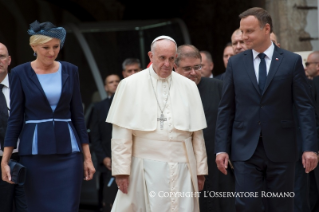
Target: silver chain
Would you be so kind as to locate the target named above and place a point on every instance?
(169, 88)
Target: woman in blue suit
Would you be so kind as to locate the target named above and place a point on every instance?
(47, 116)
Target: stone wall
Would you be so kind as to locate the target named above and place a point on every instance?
(289, 23)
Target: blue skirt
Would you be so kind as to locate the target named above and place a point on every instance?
(53, 182)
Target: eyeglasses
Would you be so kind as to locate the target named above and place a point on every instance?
(308, 63)
(189, 68)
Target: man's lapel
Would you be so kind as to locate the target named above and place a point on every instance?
(249, 62)
(275, 63)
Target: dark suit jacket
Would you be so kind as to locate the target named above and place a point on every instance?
(221, 76)
(210, 90)
(245, 113)
(29, 102)
(101, 132)
(315, 85)
(315, 96)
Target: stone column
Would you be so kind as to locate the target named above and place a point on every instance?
(289, 23)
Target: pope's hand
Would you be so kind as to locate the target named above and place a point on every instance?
(201, 181)
(122, 182)
(222, 162)
(309, 161)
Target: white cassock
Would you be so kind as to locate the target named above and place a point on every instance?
(163, 164)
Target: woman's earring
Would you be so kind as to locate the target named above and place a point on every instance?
(34, 54)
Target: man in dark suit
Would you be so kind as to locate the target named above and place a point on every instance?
(238, 45)
(101, 134)
(228, 52)
(312, 65)
(313, 183)
(188, 64)
(12, 197)
(207, 64)
(237, 41)
(255, 122)
(306, 185)
(130, 66)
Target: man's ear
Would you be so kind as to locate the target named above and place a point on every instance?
(175, 66)
(150, 55)
(9, 60)
(267, 28)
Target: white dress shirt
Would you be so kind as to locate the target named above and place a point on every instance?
(269, 52)
(6, 90)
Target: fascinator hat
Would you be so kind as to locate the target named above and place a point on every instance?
(47, 29)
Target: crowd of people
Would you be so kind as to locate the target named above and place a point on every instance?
(171, 137)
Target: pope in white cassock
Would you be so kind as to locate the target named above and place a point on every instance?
(158, 149)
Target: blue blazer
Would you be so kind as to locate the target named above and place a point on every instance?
(245, 113)
(29, 102)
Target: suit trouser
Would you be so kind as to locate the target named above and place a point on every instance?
(109, 190)
(314, 190)
(301, 200)
(12, 197)
(259, 173)
(217, 182)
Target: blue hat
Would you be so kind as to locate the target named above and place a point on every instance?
(47, 29)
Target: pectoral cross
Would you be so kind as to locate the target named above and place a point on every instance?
(162, 119)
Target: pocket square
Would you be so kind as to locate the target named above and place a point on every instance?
(17, 171)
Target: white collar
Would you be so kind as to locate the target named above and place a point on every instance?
(269, 52)
(5, 81)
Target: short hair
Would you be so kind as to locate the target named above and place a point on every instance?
(131, 61)
(39, 39)
(186, 51)
(228, 44)
(261, 14)
(208, 55)
(236, 32)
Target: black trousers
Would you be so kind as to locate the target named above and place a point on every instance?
(301, 200)
(314, 190)
(109, 190)
(269, 179)
(12, 197)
